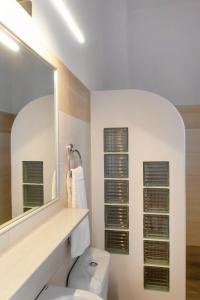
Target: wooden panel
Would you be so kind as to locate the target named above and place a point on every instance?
(5, 178)
(27, 5)
(192, 289)
(74, 97)
(193, 140)
(6, 121)
(193, 209)
(193, 263)
(193, 233)
(190, 115)
(193, 164)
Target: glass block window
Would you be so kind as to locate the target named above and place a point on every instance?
(32, 171)
(116, 165)
(33, 188)
(116, 191)
(156, 278)
(156, 200)
(33, 195)
(117, 217)
(116, 140)
(117, 241)
(156, 173)
(156, 252)
(156, 226)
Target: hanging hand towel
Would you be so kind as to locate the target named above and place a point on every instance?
(69, 189)
(80, 238)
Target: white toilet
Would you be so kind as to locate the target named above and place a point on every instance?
(91, 272)
(61, 293)
(88, 280)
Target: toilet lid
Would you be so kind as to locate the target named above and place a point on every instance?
(61, 293)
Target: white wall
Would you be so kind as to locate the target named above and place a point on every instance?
(33, 143)
(156, 133)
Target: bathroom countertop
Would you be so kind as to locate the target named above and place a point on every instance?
(20, 261)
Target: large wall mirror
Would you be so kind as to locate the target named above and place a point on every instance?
(27, 130)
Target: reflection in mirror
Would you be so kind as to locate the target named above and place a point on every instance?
(27, 131)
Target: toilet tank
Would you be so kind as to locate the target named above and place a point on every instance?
(91, 272)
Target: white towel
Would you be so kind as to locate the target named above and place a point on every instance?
(53, 185)
(80, 238)
(69, 189)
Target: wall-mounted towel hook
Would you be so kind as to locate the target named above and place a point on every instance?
(70, 151)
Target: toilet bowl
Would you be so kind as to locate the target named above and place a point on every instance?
(91, 272)
(61, 293)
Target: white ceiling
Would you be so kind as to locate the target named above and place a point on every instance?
(144, 4)
(145, 44)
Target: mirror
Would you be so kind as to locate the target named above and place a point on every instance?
(27, 129)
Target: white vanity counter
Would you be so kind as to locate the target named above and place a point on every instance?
(20, 261)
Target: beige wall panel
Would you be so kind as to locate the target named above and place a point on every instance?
(191, 115)
(27, 5)
(193, 233)
(193, 254)
(193, 210)
(74, 97)
(193, 140)
(6, 121)
(193, 163)
(193, 185)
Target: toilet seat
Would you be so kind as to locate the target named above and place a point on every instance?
(61, 293)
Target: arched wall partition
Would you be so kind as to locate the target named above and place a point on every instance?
(138, 193)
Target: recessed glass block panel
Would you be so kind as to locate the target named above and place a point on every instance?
(116, 165)
(156, 278)
(32, 171)
(117, 241)
(33, 195)
(116, 140)
(116, 191)
(156, 226)
(156, 173)
(116, 217)
(156, 200)
(156, 252)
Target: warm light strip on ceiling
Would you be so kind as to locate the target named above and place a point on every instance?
(65, 13)
(9, 42)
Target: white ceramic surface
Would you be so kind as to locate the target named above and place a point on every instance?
(60, 293)
(93, 278)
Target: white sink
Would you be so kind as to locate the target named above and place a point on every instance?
(61, 293)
